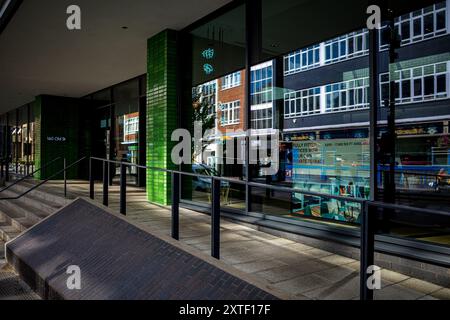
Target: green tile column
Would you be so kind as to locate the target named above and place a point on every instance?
(161, 113)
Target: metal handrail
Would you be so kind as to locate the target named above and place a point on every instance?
(368, 221)
(46, 180)
(30, 175)
(236, 181)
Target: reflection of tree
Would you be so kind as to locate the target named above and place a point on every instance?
(203, 113)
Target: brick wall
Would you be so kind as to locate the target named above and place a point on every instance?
(230, 95)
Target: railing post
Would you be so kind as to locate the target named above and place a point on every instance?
(7, 170)
(215, 219)
(105, 183)
(91, 180)
(65, 177)
(123, 189)
(367, 250)
(175, 205)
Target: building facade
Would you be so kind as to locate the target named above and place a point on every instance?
(314, 90)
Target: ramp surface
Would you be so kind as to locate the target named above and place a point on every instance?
(118, 260)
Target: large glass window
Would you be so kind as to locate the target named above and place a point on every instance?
(230, 113)
(419, 25)
(125, 142)
(418, 84)
(216, 86)
(309, 84)
(347, 46)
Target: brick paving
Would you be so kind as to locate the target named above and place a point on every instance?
(299, 270)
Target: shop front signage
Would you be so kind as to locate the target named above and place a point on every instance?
(416, 130)
(302, 136)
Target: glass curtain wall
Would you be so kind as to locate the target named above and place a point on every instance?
(414, 104)
(314, 84)
(126, 131)
(117, 127)
(215, 102)
(308, 82)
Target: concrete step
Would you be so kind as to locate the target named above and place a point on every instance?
(18, 215)
(40, 193)
(24, 207)
(12, 218)
(8, 232)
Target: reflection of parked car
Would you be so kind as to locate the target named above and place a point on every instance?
(203, 183)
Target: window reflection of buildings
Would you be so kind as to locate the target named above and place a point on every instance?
(417, 80)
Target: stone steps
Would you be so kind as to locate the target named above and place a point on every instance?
(18, 215)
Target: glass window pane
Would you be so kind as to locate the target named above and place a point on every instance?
(440, 20)
(441, 83)
(429, 85)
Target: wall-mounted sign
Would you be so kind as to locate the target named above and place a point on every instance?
(57, 139)
(208, 54)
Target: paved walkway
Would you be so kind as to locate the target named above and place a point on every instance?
(303, 272)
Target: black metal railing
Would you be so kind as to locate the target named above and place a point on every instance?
(29, 175)
(370, 210)
(63, 171)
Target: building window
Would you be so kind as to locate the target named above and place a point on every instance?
(419, 25)
(230, 113)
(351, 45)
(205, 94)
(131, 125)
(261, 118)
(231, 80)
(302, 103)
(261, 84)
(347, 95)
(418, 84)
(302, 60)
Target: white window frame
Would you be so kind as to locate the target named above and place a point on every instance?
(264, 82)
(231, 80)
(302, 102)
(411, 17)
(347, 88)
(399, 75)
(346, 40)
(294, 62)
(262, 117)
(230, 113)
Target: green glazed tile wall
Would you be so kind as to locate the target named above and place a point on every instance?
(161, 113)
(59, 117)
